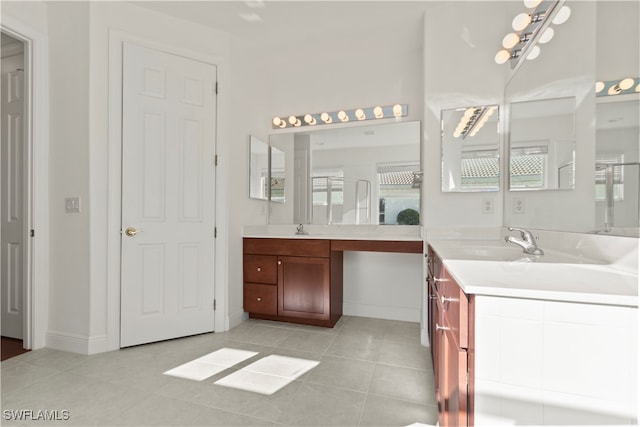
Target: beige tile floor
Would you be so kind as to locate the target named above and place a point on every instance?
(372, 373)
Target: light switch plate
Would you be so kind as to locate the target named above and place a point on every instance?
(72, 205)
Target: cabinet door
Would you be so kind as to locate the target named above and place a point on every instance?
(453, 383)
(304, 287)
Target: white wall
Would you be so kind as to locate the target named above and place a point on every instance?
(295, 78)
(460, 40)
(542, 78)
(32, 13)
(69, 171)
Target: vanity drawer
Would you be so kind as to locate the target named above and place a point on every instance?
(261, 269)
(288, 247)
(260, 299)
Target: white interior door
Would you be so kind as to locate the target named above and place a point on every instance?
(168, 196)
(12, 155)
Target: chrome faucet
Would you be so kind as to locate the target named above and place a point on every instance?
(528, 242)
(300, 231)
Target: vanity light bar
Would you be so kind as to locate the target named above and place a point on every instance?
(341, 116)
(618, 87)
(531, 28)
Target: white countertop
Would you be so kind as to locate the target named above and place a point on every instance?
(494, 268)
(338, 232)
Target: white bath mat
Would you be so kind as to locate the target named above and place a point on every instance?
(268, 375)
(210, 364)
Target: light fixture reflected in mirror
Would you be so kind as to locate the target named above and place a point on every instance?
(341, 116)
(618, 87)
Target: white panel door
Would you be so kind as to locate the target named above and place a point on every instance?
(168, 196)
(12, 155)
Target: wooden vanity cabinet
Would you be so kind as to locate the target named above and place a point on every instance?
(452, 344)
(293, 280)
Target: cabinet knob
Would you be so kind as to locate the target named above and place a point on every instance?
(437, 279)
(444, 299)
(441, 328)
(259, 298)
(279, 262)
(259, 269)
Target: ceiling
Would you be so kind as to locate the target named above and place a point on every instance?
(269, 22)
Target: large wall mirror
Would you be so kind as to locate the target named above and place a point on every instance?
(542, 144)
(350, 175)
(470, 147)
(600, 42)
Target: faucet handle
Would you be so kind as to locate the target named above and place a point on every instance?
(525, 234)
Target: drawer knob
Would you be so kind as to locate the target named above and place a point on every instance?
(279, 262)
(441, 328)
(259, 269)
(259, 298)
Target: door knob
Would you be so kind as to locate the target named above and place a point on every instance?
(130, 231)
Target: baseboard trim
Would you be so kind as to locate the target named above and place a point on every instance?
(237, 319)
(405, 314)
(68, 342)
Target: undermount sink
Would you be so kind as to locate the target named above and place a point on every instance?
(502, 252)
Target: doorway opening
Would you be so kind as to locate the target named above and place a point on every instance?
(14, 217)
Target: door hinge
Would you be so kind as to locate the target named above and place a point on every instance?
(215, 305)
(33, 233)
(215, 160)
(215, 232)
(216, 88)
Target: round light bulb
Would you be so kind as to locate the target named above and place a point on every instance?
(343, 116)
(378, 112)
(397, 110)
(626, 84)
(468, 112)
(297, 123)
(530, 4)
(360, 114)
(638, 88)
(599, 87)
(325, 117)
(293, 119)
(563, 14)
(510, 40)
(535, 52)
(490, 112)
(521, 21)
(457, 133)
(502, 56)
(308, 118)
(276, 121)
(547, 35)
(614, 90)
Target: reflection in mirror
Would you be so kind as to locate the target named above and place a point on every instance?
(258, 168)
(470, 149)
(351, 175)
(542, 145)
(618, 165)
(277, 175)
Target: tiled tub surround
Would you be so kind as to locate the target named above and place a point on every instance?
(556, 339)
